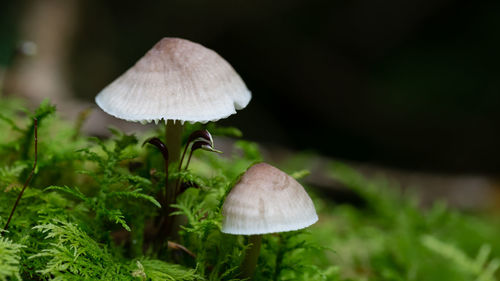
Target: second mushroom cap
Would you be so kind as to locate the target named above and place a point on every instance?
(267, 200)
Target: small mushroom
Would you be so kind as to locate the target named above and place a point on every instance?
(265, 200)
(176, 81)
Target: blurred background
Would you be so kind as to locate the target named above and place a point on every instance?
(406, 87)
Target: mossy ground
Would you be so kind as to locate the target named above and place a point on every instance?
(89, 212)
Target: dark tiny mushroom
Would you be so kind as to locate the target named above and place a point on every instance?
(199, 135)
(200, 145)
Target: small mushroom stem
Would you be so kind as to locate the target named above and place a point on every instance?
(251, 256)
(173, 139)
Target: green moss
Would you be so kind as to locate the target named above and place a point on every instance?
(92, 209)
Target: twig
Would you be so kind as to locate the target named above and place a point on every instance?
(176, 246)
(35, 125)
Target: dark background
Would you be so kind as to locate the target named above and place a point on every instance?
(408, 84)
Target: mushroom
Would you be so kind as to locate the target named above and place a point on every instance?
(265, 200)
(176, 81)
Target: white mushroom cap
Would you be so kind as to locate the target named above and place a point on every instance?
(176, 80)
(267, 200)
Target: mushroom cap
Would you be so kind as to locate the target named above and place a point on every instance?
(267, 200)
(176, 80)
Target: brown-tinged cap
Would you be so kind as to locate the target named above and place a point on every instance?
(176, 80)
(267, 200)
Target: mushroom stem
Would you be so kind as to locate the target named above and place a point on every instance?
(251, 256)
(173, 130)
(173, 139)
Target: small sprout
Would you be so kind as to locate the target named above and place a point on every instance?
(201, 139)
(160, 145)
(200, 145)
(199, 135)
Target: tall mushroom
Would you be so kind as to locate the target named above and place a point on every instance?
(265, 200)
(176, 81)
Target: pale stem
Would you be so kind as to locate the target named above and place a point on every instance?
(251, 256)
(173, 139)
